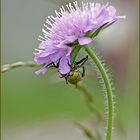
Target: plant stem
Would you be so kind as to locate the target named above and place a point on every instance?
(8, 67)
(86, 131)
(108, 90)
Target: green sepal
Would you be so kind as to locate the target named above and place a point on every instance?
(74, 53)
(96, 32)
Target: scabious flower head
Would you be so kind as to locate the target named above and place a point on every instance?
(71, 24)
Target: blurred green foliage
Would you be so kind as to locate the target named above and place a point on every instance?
(26, 97)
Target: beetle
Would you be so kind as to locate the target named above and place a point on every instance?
(77, 72)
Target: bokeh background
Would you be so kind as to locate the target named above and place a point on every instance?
(44, 107)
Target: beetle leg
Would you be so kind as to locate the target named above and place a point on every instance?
(83, 74)
(82, 60)
(66, 80)
(80, 63)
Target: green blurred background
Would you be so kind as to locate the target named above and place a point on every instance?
(44, 107)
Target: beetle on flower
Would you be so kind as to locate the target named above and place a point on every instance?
(72, 24)
(74, 27)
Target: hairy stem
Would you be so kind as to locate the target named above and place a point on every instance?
(108, 90)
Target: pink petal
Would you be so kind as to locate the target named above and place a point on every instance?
(89, 28)
(64, 67)
(112, 11)
(71, 38)
(84, 40)
(38, 72)
(42, 70)
(68, 51)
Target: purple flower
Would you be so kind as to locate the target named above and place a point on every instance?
(70, 25)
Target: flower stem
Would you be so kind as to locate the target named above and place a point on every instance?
(108, 90)
(8, 67)
(31, 64)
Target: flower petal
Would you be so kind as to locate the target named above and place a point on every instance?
(47, 52)
(64, 67)
(84, 40)
(68, 27)
(89, 28)
(42, 70)
(112, 11)
(68, 51)
(71, 38)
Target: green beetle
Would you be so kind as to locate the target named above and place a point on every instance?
(77, 72)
